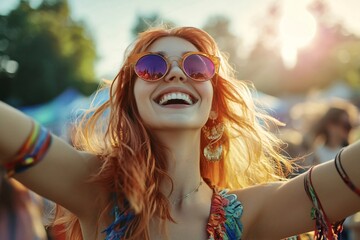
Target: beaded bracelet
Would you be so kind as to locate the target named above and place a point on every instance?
(343, 174)
(323, 228)
(31, 152)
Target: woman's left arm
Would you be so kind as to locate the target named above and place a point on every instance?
(286, 208)
(337, 197)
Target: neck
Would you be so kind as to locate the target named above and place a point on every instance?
(183, 161)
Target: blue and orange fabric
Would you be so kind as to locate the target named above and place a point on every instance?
(224, 221)
(225, 217)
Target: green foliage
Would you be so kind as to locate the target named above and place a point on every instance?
(52, 52)
(346, 56)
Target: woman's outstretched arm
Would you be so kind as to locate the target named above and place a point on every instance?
(283, 209)
(62, 173)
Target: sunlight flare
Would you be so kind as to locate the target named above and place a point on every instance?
(297, 29)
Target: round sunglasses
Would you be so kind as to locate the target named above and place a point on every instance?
(154, 66)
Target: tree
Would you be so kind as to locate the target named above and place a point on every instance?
(219, 28)
(333, 55)
(264, 65)
(43, 52)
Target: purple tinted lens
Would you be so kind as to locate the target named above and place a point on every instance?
(199, 67)
(151, 67)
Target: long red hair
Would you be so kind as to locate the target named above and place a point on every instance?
(133, 159)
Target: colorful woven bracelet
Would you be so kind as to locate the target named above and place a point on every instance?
(27, 146)
(343, 174)
(323, 228)
(31, 152)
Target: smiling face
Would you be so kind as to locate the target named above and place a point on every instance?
(176, 101)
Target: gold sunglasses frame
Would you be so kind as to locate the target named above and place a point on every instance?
(136, 57)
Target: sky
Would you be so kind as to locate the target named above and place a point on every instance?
(110, 21)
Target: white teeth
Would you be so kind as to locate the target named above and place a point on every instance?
(175, 96)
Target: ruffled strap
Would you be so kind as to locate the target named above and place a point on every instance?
(225, 217)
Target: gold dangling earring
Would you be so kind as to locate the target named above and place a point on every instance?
(213, 150)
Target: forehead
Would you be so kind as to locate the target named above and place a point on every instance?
(172, 46)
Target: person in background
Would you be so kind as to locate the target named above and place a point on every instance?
(20, 212)
(331, 133)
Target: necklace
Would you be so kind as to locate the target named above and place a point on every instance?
(188, 194)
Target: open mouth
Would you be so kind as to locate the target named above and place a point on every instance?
(175, 98)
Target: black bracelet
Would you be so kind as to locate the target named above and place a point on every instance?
(343, 174)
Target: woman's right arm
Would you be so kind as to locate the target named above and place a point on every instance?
(61, 175)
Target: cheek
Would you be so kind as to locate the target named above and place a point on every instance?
(141, 90)
(207, 92)
(139, 95)
(136, 93)
(142, 94)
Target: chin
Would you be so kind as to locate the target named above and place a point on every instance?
(176, 125)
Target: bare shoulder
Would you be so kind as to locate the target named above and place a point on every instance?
(253, 200)
(256, 190)
(254, 197)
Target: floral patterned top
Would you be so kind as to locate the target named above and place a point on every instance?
(224, 221)
(225, 217)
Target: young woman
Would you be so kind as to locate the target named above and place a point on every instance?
(155, 160)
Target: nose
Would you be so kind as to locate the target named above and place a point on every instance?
(175, 73)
